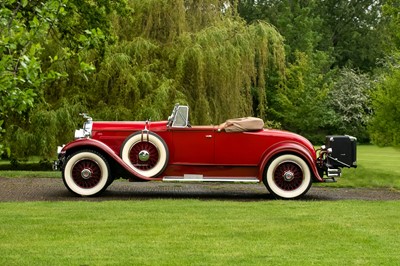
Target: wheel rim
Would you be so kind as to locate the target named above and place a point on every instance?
(144, 155)
(288, 176)
(86, 173)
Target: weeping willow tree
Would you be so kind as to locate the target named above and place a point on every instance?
(195, 52)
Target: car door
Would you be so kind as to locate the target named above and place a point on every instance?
(193, 145)
(238, 148)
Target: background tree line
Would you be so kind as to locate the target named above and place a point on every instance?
(312, 67)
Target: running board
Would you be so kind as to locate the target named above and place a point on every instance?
(201, 178)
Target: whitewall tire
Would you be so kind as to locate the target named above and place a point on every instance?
(86, 173)
(288, 176)
(146, 153)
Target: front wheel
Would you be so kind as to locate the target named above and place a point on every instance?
(288, 176)
(86, 173)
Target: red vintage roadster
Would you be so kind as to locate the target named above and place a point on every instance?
(239, 150)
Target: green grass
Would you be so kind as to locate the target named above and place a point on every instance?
(194, 232)
(30, 174)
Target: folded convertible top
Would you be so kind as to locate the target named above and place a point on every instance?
(242, 124)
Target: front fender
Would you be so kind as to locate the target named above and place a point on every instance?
(81, 144)
(290, 147)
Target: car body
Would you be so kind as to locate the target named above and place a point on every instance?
(173, 150)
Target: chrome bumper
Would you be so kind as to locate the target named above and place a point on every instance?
(57, 164)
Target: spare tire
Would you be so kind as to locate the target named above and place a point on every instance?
(146, 153)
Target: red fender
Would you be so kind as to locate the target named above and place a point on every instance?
(100, 146)
(290, 147)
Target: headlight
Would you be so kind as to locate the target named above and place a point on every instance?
(87, 127)
(86, 131)
(79, 133)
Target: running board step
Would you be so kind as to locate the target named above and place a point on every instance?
(201, 178)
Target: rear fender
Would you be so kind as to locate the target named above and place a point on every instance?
(96, 145)
(292, 148)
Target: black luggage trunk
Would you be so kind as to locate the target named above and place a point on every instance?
(344, 151)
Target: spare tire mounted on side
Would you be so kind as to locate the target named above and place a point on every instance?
(146, 153)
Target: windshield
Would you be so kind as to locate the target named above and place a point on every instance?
(179, 116)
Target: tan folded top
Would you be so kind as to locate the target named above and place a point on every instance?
(242, 124)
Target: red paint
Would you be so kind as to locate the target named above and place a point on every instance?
(202, 150)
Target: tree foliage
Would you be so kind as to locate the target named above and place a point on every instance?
(23, 27)
(35, 37)
(159, 53)
(355, 30)
(391, 13)
(308, 66)
(333, 48)
(177, 52)
(385, 124)
(298, 21)
(300, 100)
(350, 99)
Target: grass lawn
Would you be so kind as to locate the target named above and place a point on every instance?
(33, 174)
(198, 232)
(195, 232)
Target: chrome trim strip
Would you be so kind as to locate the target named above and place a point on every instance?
(210, 179)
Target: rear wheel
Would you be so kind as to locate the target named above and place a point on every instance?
(288, 176)
(86, 173)
(146, 153)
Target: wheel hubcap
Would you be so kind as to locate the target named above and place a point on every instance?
(144, 155)
(288, 176)
(86, 173)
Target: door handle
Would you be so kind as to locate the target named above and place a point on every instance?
(208, 136)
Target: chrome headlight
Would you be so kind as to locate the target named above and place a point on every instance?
(80, 133)
(86, 131)
(87, 128)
